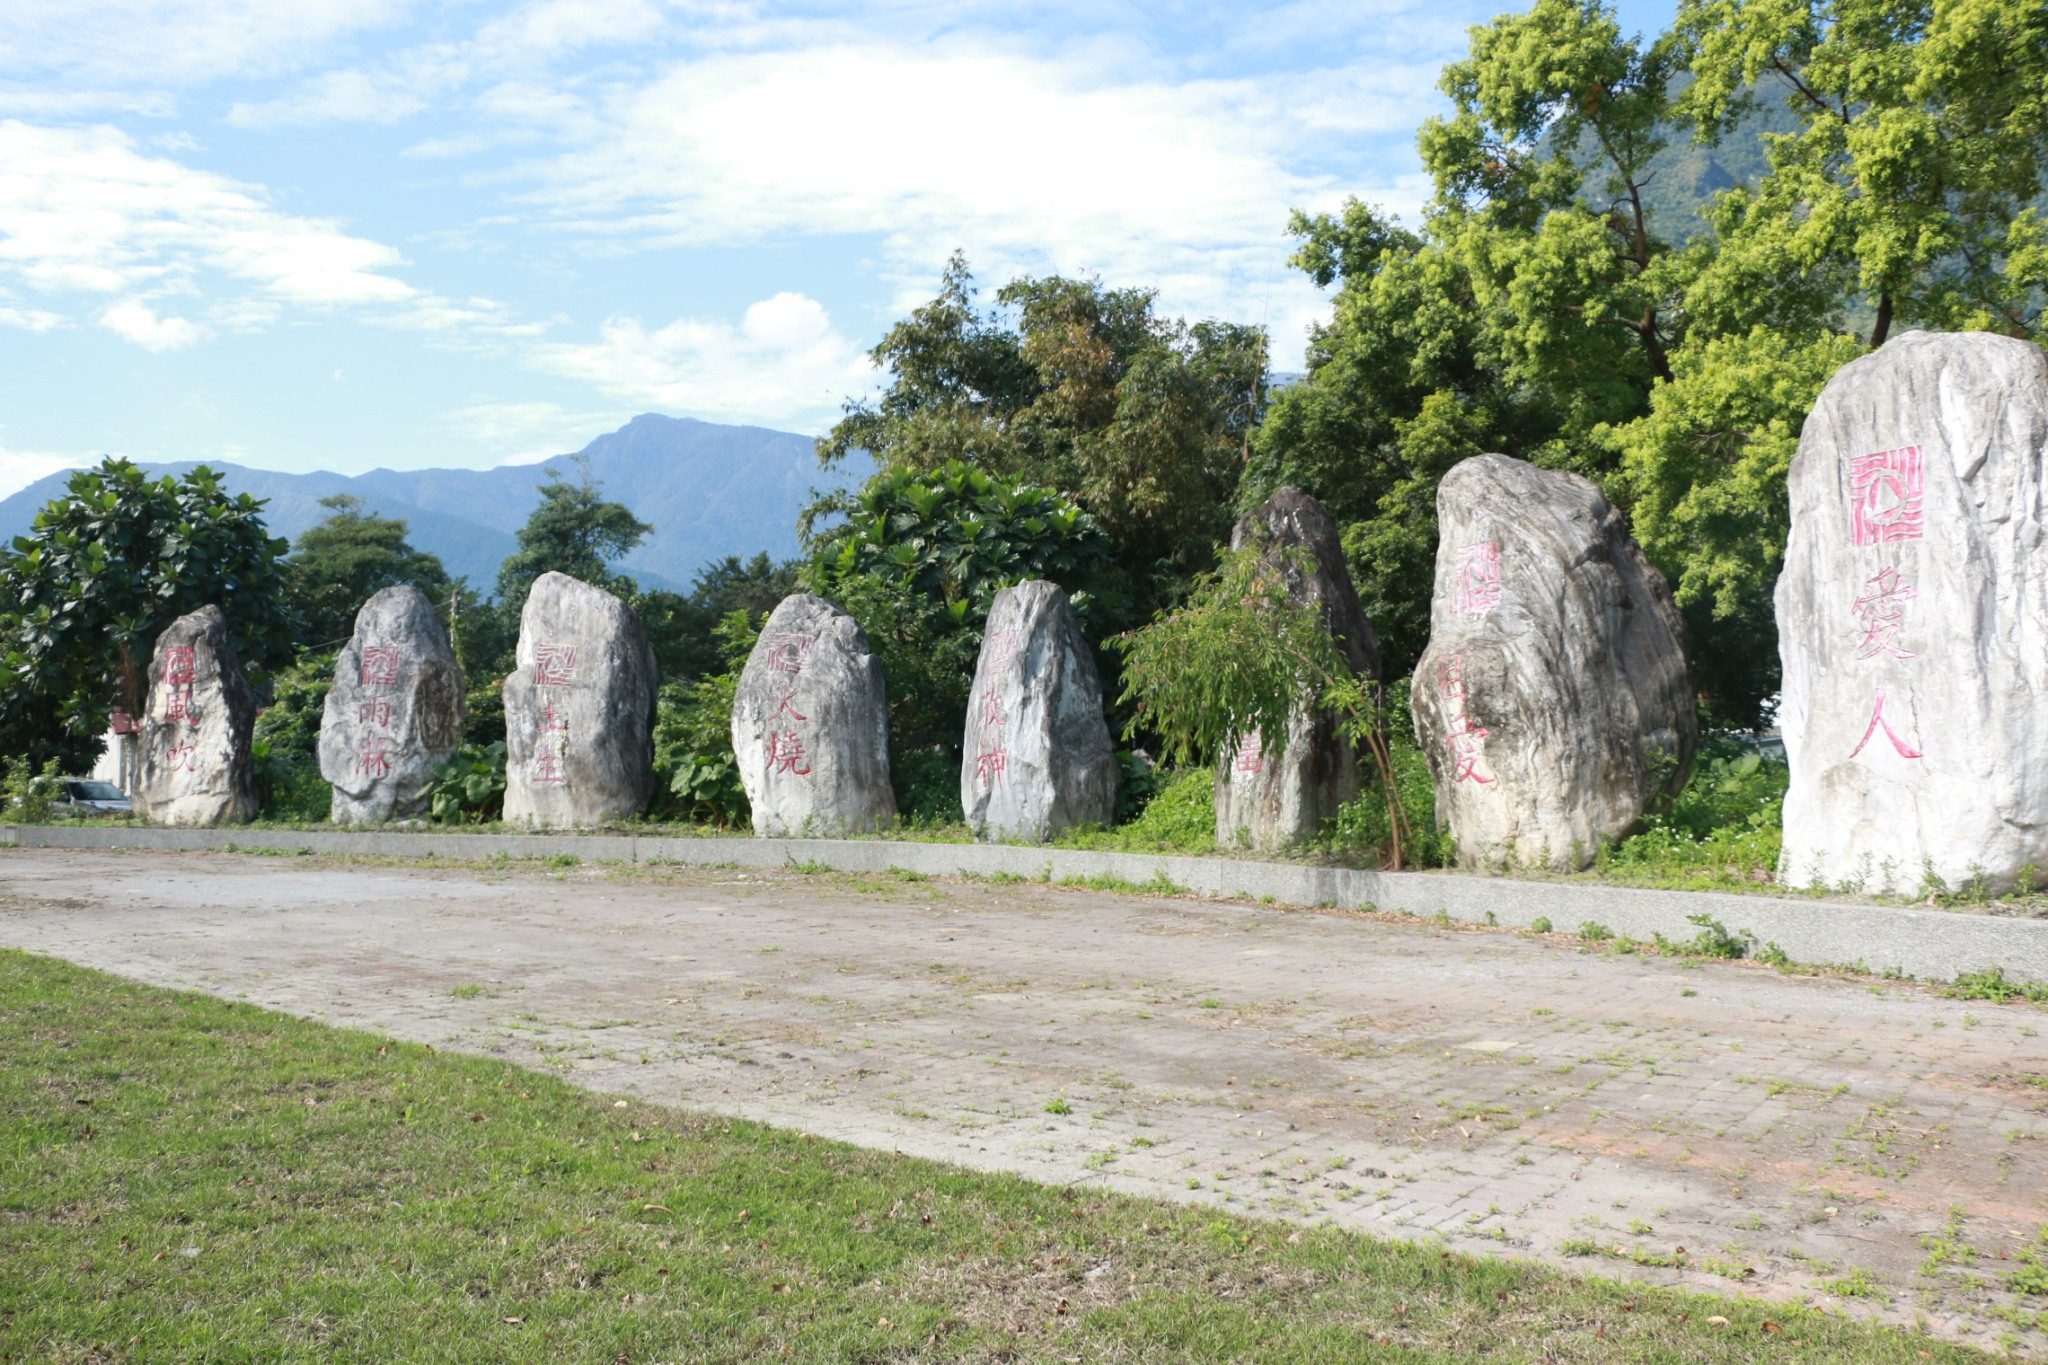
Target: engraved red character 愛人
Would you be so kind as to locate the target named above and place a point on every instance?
(1881, 607)
(554, 665)
(785, 752)
(1887, 492)
(1250, 759)
(1476, 589)
(1878, 722)
(989, 767)
(379, 667)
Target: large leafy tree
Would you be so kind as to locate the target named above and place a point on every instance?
(1068, 384)
(105, 568)
(575, 531)
(340, 563)
(1538, 308)
(684, 628)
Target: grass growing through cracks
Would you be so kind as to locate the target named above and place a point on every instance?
(187, 1178)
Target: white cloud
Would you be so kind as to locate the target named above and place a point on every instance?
(136, 321)
(334, 97)
(783, 363)
(20, 468)
(529, 432)
(29, 319)
(159, 43)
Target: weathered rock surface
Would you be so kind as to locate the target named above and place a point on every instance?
(1553, 701)
(1269, 802)
(810, 725)
(579, 709)
(195, 765)
(394, 712)
(1913, 619)
(1036, 757)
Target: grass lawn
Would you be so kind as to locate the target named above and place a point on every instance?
(186, 1178)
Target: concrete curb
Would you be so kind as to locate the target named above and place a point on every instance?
(1930, 944)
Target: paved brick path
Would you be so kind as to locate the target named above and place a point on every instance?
(1865, 1145)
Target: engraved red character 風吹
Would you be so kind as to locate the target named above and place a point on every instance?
(379, 667)
(1477, 588)
(1878, 721)
(1886, 493)
(1250, 758)
(178, 703)
(1467, 742)
(989, 767)
(183, 757)
(1881, 608)
(554, 665)
(181, 666)
(785, 752)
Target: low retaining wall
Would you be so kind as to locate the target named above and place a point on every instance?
(1930, 944)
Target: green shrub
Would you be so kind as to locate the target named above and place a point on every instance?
(706, 788)
(289, 786)
(469, 787)
(289, 728)
(26, 795)
(1724, 828)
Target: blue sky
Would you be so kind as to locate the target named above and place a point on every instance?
(341, 234)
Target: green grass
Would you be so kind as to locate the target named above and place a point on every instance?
(185, 1178)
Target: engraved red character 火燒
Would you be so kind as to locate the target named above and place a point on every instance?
(1476, 589)
(1887, 491)
(785, 752)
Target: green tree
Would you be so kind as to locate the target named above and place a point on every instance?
(918, 562)
(574, 531)
(1070, 385)
(1536, 310)
(105, 568)
(684, 628)
(340, 563)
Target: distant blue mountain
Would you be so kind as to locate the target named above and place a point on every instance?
(708, 490)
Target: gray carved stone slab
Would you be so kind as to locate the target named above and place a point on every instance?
(1036, 757)
(810, 725)
(196, 767)
(394, 713)
(1267, 801)
(1913, 619)
(1553, 702)
(579, 709)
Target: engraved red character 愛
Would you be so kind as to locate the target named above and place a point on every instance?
(1881, 607)
(1886, 495)
(1477, 587)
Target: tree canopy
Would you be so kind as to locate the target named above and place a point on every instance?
(105, 568)
(340, 563)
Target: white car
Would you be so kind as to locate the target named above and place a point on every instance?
(85, 796)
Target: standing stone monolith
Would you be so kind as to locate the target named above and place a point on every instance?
(1913, 620)
(1269, 801)
(810, 725)
(579, 709)
(196, 765)
(1553, 701)
(394, 712)
(1036, 757)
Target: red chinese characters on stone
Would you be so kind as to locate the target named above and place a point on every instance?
(178, 704)
(785, 752)
(1450, 678)
(990, 766)
(1001, 644)
(547, 766)
(787, 652)
(183, 757)
(1467, 743)
(1882, 609)
(1886, 495)
(1250, 758)
(374, 711)
(379, 666)
(373, 757)
(554, 665)
(180, 666)
(1476, 589)
(1878, 722)
(991, 707)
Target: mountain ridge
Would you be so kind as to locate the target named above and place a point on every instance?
(708, 489)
